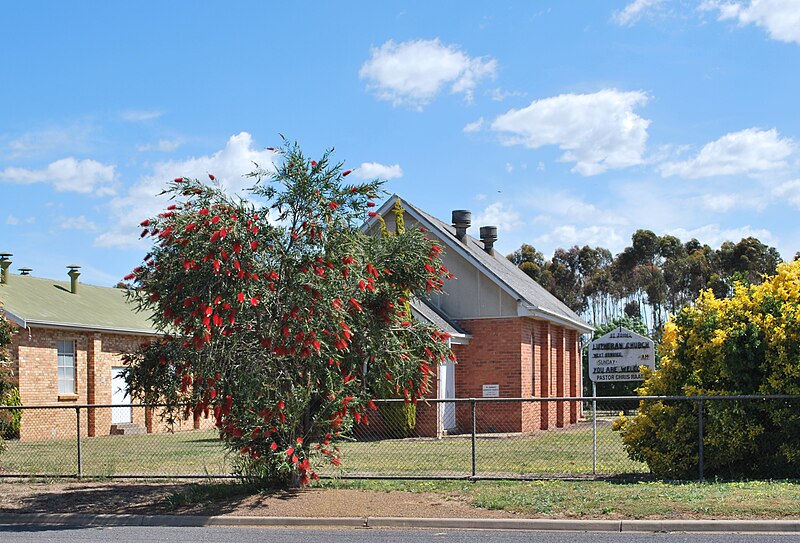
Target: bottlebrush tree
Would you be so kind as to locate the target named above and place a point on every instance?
(281, 319)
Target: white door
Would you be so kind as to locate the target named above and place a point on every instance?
(120, 396)
(447, 389)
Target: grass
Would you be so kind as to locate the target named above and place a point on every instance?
(181, 453)
(612, 499)
(566, 452)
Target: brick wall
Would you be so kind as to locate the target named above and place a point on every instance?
(36, 364)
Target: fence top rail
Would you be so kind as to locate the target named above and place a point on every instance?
(626, 399)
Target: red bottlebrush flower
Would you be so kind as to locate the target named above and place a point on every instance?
(281, 405)
(240, 297)
(355, 304)
(372, 214)
(295, 460)
(253, 245)
(129, 276)
(337, 303)
(237, 247)
(178, 179)
(214, 220)
(211, 177)
(299, 440)
(273, 446)
(214, 237)
(340, 344)
(333, 205)
(270, 148)
(335, 460)
(144, 233)
(370, 204)
(254, 301)
(313, 163)
(171, 207)
(217, 264)
(203, 211)
(145, 222)
(346, 173)
(357, 416)
(290, 451)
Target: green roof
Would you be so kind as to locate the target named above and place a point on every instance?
(33, 301)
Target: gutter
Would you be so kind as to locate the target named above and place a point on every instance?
(24, 323)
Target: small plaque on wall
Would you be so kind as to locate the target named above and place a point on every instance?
(491, 391)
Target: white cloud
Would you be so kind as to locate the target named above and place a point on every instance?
(166, 146)
(789, 192)
(138, 116)
(67, 175)
(72, 138)
(780, 18)
(509, 167)
(78, 223)
(413, 73)
(597, 131)
(569, 235)
(372, 170)
(634, 11)
(228, 165)
(498, 94)
(747, 152)
(722, 203)
(714, 235)
(566, 206)
(12, 220)
(474, 126)
(499, 215)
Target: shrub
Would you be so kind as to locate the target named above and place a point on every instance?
(746, 344)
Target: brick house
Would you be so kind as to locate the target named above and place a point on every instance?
(68, 351)
(512, 338)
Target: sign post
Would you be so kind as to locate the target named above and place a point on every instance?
(617, 356)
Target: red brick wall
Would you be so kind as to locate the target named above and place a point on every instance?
(36, 362)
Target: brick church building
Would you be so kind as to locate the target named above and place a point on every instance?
(512, 338)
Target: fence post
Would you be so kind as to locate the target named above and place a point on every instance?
(594, 428)
(700, 437)
(474, 439)
(78, 434)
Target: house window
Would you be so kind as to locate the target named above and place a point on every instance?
(66, 367)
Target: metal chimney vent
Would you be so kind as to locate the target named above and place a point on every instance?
(5, 263)
(488, 237)
(462, 220)
(73, 278)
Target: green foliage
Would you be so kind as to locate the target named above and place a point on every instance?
(746, 344)
(282, 319)
(400, 418)
(10, 420)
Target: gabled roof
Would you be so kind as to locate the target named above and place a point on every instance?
(533, 297)
(424, 311)
(33, 301)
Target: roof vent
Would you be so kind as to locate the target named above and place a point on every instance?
(462, 220)
(73, 277)
(5, 263)
(488, 237)
(25, 271)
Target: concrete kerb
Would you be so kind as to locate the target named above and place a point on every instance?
(541, 525)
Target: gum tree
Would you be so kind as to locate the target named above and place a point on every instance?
(281, 318)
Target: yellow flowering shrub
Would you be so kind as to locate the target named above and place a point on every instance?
(743, 345)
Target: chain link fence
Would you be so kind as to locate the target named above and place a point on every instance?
(498, 438)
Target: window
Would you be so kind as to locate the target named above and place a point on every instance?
(66, 367)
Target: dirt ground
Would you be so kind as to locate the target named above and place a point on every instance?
(152, 498)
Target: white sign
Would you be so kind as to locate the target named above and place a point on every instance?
(491, 391)
(618, 355)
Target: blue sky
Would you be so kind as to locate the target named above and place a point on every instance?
(562, 123)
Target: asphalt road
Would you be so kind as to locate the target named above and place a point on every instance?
(139, 534)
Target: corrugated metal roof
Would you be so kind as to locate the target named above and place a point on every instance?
(32, 301)
(515, 280)
(423, 311)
